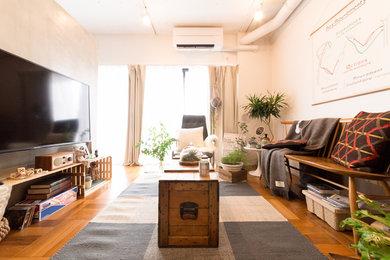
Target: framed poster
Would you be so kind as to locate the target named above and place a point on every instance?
(351, 52)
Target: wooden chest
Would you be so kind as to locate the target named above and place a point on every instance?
(188, 211)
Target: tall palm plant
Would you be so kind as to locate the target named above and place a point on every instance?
(263, 107)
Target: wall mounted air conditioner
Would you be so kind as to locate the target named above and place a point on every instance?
(197, 38)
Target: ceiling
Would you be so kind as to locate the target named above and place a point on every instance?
(125, 16)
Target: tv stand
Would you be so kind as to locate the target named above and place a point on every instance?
(78, 172)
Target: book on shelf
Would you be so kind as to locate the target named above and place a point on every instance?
(65, 183)
(51, 182)
(20, 217)
(322, 188)
(47, 195)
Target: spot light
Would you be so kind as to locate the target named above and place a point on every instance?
(258, 15)
(146, 20)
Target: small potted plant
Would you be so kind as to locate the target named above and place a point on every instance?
(240, 140)
(234, 161)
(88, 181)
(252, 142)
(190, 156)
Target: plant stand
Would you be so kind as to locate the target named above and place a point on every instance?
(256, 172)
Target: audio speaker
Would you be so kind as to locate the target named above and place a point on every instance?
(54, 161)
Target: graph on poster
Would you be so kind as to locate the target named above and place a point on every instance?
(351, 52)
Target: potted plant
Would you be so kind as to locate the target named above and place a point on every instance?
(190, 156)
(263, 107)
(158, 143)
(233, 161)
(88, 181)
(240, 140)
(373, 243)
(252, 142)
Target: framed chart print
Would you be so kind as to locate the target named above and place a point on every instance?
(351, 52)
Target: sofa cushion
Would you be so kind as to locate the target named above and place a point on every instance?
(190, 136)
(365, 142)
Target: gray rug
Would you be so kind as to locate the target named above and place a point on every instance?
(250, 228)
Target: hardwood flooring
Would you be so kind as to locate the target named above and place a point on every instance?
(42, 240)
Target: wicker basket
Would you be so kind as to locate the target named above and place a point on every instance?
(330, 214)
(5, 192)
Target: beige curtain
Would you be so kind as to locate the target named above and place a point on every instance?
(223, 85)
(134, 120)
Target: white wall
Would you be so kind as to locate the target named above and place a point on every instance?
(292, 68)
(156, 50)
(42, 32)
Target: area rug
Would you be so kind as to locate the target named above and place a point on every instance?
(250, 228)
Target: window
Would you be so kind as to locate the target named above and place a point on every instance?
(170, 92)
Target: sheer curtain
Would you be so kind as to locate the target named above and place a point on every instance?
(112, 93)
(223, 80)
(135, 109)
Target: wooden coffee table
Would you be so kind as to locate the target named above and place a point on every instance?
(188, 210)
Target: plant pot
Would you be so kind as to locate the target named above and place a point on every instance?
(232, 167)
(88, 184)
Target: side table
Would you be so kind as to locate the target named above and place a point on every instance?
(256, 172)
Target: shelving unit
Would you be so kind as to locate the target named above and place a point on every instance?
(67, 169)
(104, 171)
(78, 172)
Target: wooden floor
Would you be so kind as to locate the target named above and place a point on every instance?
(42, 240)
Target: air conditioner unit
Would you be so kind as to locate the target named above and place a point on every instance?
(197, 38)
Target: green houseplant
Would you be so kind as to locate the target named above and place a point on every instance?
(234, 160)
(263, 107)
(240, 140)
(373, 243)
(158, 142)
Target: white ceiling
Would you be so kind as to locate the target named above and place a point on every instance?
(125, 16)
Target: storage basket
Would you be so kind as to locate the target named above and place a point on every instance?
(330, 214)
(5, 192)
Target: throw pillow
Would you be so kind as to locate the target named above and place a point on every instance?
(292, 144)
(365, 142)
(190, 136)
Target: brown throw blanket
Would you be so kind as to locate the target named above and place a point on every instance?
(316, 132)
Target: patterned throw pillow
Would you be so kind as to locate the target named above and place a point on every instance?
(365, 142)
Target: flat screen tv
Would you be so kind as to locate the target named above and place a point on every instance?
(40, 107)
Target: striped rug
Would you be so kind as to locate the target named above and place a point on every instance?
(250, 228)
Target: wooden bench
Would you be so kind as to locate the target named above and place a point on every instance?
(321, 160)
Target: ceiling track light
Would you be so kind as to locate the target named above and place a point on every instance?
(146, 18)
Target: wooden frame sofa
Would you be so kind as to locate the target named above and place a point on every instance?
(323, 161)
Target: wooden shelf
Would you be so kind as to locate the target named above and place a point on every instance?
(78, 171)
(13, 182)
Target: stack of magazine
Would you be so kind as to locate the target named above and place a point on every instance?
(338, 201)
(328, 194)
(321, 190)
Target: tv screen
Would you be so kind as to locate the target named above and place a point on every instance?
(40, 107)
